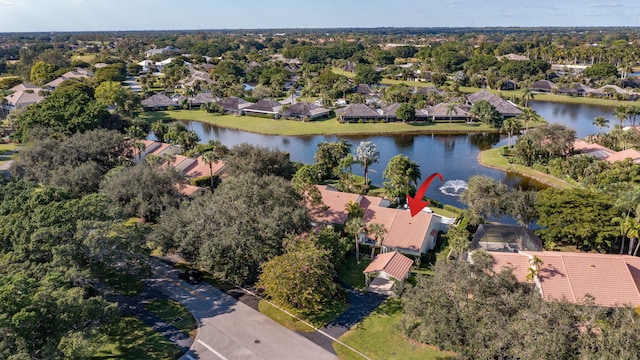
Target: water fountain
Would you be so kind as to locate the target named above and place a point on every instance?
(454, 187)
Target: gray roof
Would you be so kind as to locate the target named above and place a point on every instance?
(363, 89)
(265, 106)
(441, 110)
(158, 100)
(390, 110)
(358, 111)
(304, 109)
(543, 85)
(428, 90)
(503, 106)
(234, 103)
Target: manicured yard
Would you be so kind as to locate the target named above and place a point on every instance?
(320, 127)
(492, 158)
(351, 273)
(378, 337)
(7, 147)
(169, 311)
(131, 339)
(283, 318)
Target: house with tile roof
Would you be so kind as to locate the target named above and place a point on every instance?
(357, 112)
(264, 107)
(606, 279)
(305, 110)
(332, 210)
(632, 154)
(592, 149)
(441, 111)
(158, 102)
(504, 107)
(543, 86)
(387, 272)
(234, 105)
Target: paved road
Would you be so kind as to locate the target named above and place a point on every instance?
(229, 329)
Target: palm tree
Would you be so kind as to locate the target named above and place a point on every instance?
(140, 147)
(601, 122)
(366, 154)
(190, 92)
(353, 210)
(527, 95)
(356, 226)
(209, 158)
(528, 114)
(378, 231)
(629, 228)
(534, 269)
(451, 109)
(510, 125)
(621, 112)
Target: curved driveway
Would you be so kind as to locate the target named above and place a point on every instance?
(229, 329)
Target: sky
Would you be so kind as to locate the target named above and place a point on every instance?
(108, 15)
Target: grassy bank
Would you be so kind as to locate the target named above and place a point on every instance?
(320, 127)
(493, 159)
(378, 337)
(131, 339)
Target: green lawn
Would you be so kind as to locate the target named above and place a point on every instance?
(351, 273)
(131, 339)
(378, 337)
(7, 147)
(169, 311)
(317, 320)
(492, 158)
(320, 127)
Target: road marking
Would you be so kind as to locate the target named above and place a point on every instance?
(302, 321)
(212, 350)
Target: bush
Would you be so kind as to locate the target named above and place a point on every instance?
(453, 209)
(204, 181)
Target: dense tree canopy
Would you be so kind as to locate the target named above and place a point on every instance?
(301, 278)
(237, 228)
(65, 113)
(75, 163)
(480, 314)
(262, 161)
(54, 252)
(577, 217)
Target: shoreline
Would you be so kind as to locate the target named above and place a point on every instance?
(329, 126)
(487, 158)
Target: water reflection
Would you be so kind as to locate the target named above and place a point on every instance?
(484, 141)
(454, 156)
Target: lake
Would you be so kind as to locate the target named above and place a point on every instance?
(454, 156)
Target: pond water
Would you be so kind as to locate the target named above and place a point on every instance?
(454, 156)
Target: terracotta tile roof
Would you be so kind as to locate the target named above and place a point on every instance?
(632, 154)
(408, 232)
(188, 190)
(596, 150)
(611, 279)
(380, 215)
(200, 168)
(392, 263)
(333, 212)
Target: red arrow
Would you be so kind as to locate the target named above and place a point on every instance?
(415, 203)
